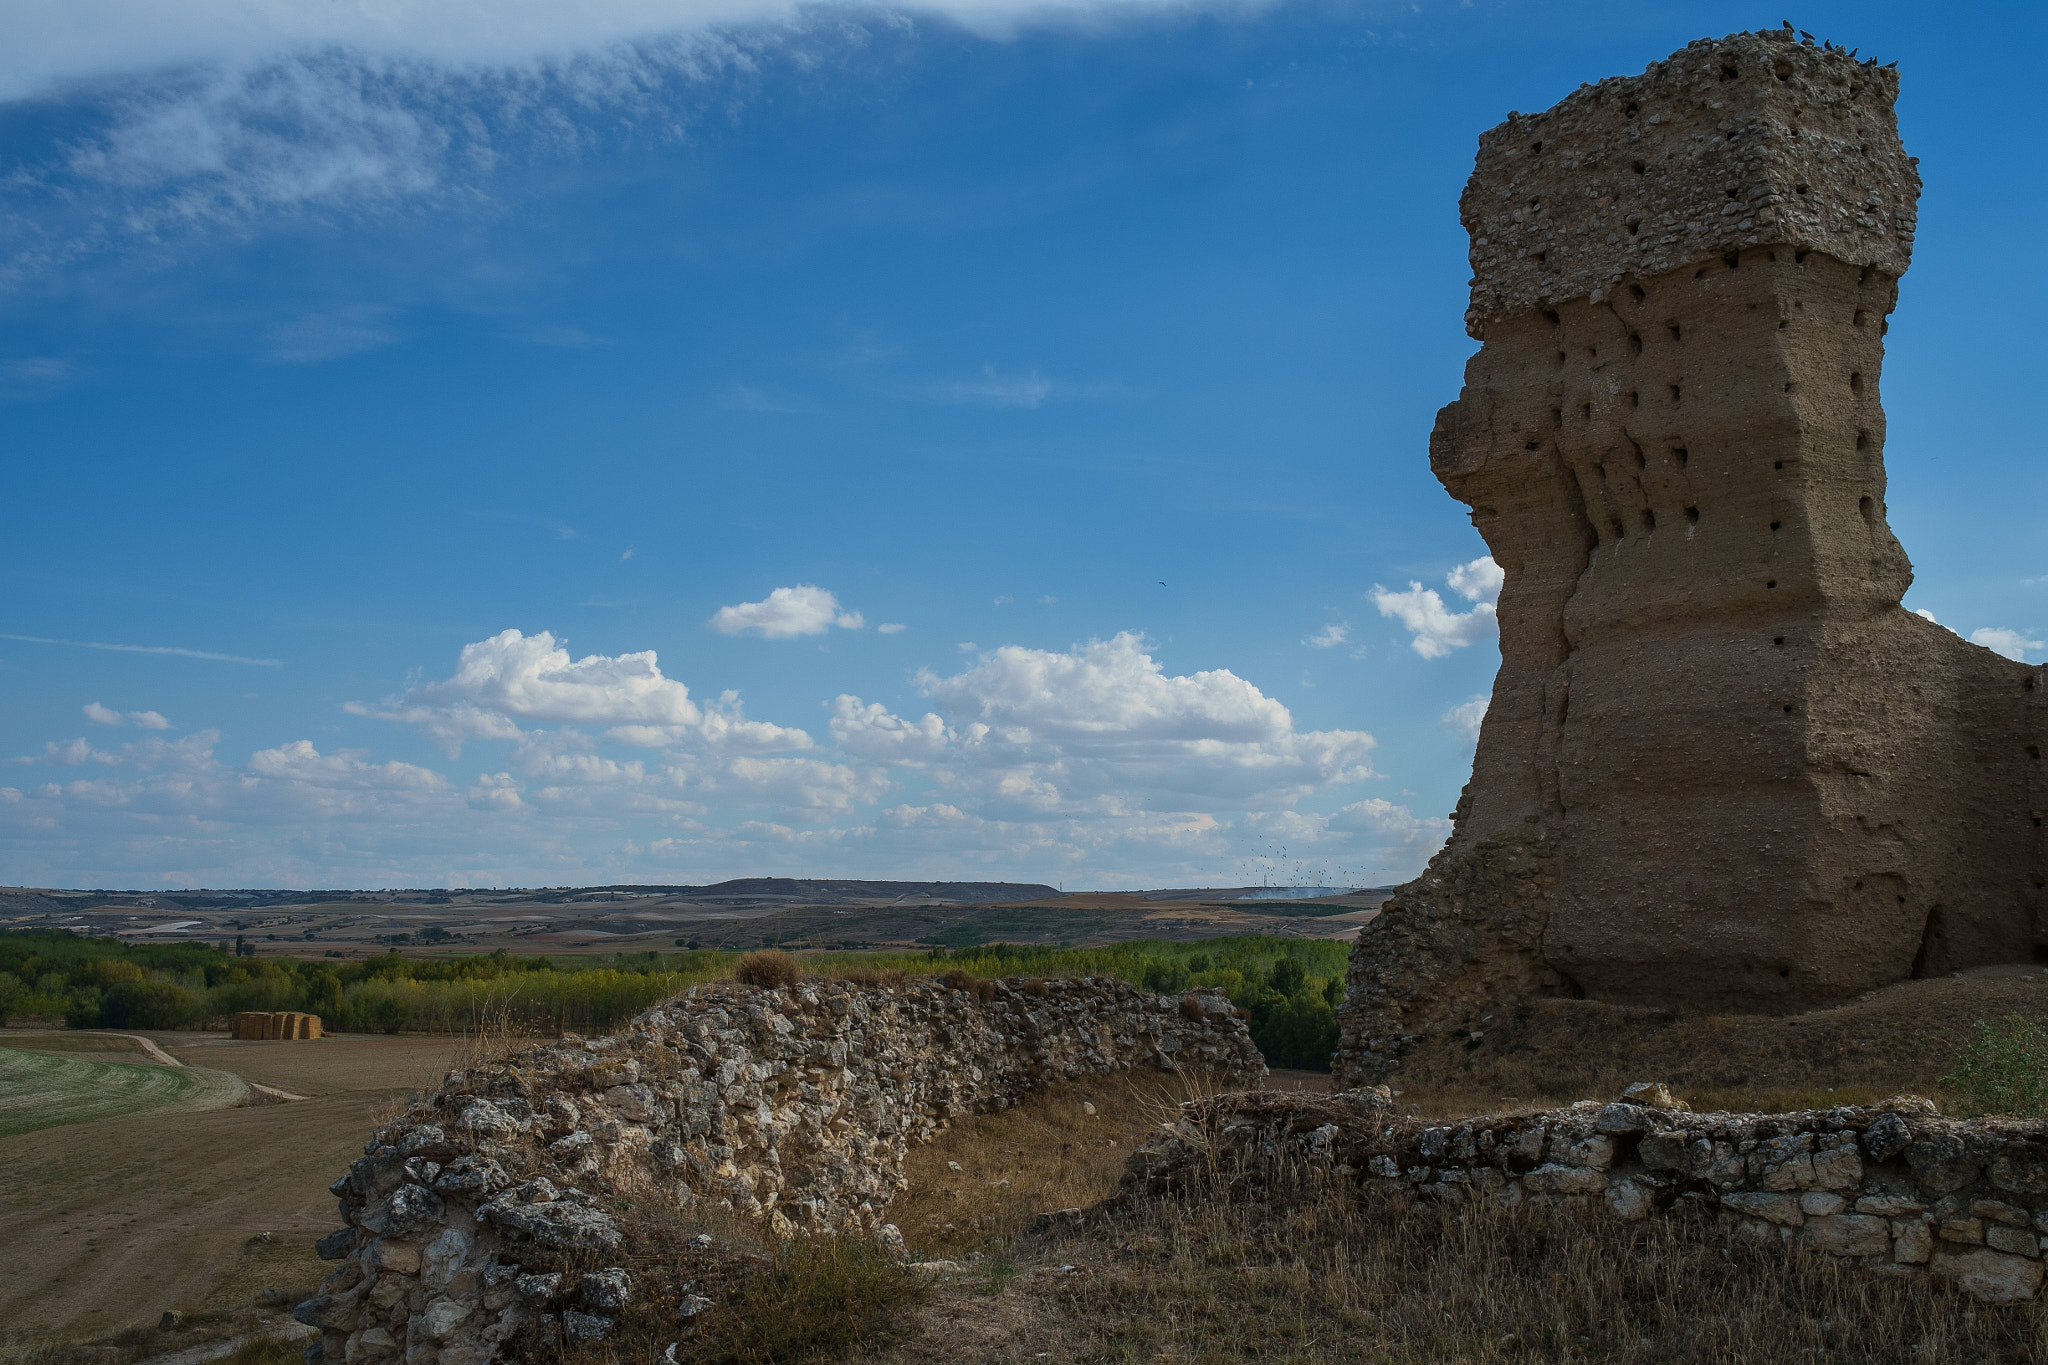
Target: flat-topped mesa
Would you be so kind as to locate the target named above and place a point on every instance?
(1721, 765)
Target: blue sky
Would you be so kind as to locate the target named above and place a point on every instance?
(963, 440)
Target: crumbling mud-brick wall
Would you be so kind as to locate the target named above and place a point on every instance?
(795, 1105)
(1725, 767)
(1896, 1188)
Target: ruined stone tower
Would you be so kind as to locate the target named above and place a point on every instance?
(1721, 766)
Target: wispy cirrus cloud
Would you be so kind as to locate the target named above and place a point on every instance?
(186, 118)
(177, 651)
(314, 337)
(995, 388)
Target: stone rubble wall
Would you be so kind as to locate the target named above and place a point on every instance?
(796, 1105)
(1891, 1187)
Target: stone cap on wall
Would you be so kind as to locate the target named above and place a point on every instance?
(1750, 140)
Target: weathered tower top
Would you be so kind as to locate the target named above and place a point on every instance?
(1736, 142)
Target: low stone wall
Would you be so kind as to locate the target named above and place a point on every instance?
(796, 1105)
(1893, 1187)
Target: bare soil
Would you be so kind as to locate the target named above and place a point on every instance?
(110, 1223)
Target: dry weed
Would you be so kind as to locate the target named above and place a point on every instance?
(1314, 1272)
(886, 978)
(979, 1185)
(768, 968)
(814, 1298)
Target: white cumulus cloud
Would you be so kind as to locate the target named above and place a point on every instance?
(513, 677)
(2011, 643)
(1103, 726)
(106, 715)
(802, 610)
(1438, 630)
(1464, 719)
(1329, 637)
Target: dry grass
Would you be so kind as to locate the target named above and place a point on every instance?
(1901, 1038)
(768, 968)
(1311, 1273)
(813, 1299)
(1050, 1152)
(885, 978)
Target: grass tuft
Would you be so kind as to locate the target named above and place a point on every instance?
(770, 967)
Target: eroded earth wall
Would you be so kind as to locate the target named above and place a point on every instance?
(795, 1105)
(1722, 766)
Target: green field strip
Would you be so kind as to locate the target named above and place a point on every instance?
(44, 1090)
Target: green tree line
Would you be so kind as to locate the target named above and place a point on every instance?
(1290, 987)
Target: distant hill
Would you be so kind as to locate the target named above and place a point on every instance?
(740, 892)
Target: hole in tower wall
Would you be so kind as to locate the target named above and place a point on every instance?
(1649, 520)
(1635, 291)
(1932, 959)
(1633, 228)
(1677, 394)
(1799, 257)
(1677, 332)
(1868, 507)
(1549, 314)
(1861, 318)
(1620, 531)
(1586, 411)
(1557, 417)
(1778, 640)
(1692, 516)
(1862, 440)
(1855, 381)
(1642, 462)
(1863, 277)
(1729, 73)
(1635, 344)
(1680, 454)
(1733, 258)
(1771, 583)
(1641, 168)
(1635, 400)
(1775, 525)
